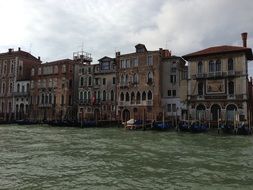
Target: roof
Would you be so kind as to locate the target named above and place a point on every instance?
(19, 53)
(58, 62)
(220, 50)
(105, 58)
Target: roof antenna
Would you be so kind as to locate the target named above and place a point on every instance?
(30, 48)
(166, 45)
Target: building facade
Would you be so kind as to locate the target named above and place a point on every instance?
(51, 94)
(15, 67)
(218, 83)
(138, 84)
(174, 88)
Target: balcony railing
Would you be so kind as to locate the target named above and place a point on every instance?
(20, 93)
(218, 97)
(217, 74)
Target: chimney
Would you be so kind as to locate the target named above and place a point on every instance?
(244, 39)
(39, 58)
(10, 50)
(19, 49)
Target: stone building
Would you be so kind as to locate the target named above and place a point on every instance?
(52, 91)
(15, 67)
(96, 89)
(218, 83)
(174, 88)
(138, 84)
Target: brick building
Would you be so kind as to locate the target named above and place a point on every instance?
(15, 68)
(138, 83)
(52, 91)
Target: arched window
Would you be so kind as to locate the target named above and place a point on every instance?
(144, 95)
(11, 87)
(211, 66)
(112, 95)
(27, 87)
(122, 96)
(218, 65)
(46, 99)
(55, 69)
(230, 64)
(42, 99)
(132, 97)
(150, 77)
(88, 95)
(200, 112)
(127, 96)
(89, 81)
(18, 88)
(104, 95)
(126, 80)
(149, 95)
(200, 88)
(98, 95)
(50, 98)
(81, 96)
(231, 88)
(122, 79)
(135, 78)
(81, 81)
(32, 72)
(63, 68)
(200, 67)
(62, 100)
(85, 95)
(138, 98)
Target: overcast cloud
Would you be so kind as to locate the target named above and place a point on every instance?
(54, 29)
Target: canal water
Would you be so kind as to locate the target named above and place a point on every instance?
(44, 157)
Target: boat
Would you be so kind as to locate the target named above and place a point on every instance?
(244, 129)
(184, 126)
(226, 128)
(133, 124)
(197, 127)
(159, 125)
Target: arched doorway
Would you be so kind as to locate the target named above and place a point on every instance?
(215, 112)
(231, 112)
(200, 112)
(21, 111)
(97, 114)
(125, 115)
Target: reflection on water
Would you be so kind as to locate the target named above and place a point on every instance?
(42, 157)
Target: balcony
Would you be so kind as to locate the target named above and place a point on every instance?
(21, 93)
(45, 105)
(123, 85)
(218, 74)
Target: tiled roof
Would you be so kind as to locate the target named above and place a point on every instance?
(18, 53)
(220, 50)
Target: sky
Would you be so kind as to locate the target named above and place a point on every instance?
(54, 29)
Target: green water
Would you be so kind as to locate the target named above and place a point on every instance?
(43, 157)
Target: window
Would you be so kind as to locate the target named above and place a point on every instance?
(169, 92)
(126, 79)
(149, 95)
(150, 77)
(113, 80)
(173, 79)
(55, 69)
(211, 66)
(230, 64)
(63, 68)
(42, 99)
(127, 97)
(23, 88)
(62, 99)
(144, 95)
(122, 96)
(128, 65)
(135, 62)
(104, 95)
(70, 100)
(39, 71)
(173, 70)
(11, 87)
(70, 83)
(132, 97)
(200, 67)
(218, 65)
(122, 64)
(18, 88)
(200, 88)
(27, 87)
(89, 81)
(32, 72)
(135, 78)
(169, 107)
(105, 66)
(174, 93)
(50, 98)
(104, 81)
(231, 88)
(81, 96)
(81, 81)
(138, 98)
(174, 109)
(89, 70)
(150, 60)
(112, 95)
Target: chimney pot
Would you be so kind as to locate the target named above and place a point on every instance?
(39, 58)
(244, 38)
(117, 53)
(19, 49)
(10, 50)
